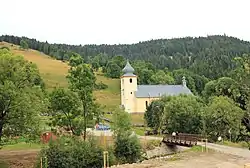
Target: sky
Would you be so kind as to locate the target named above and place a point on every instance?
(123, 21)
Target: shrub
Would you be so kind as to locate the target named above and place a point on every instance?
(151, 144)
(101, 86)
(73, 153)
(4, 47)
(127, 148)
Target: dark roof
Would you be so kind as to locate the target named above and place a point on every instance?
(161, 90)
(129, 74)
(128, 69)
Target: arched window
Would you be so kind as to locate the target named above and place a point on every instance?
(131, 92)
(130, 80)
(146, 103)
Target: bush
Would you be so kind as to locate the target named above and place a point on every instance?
(127, 148)
(4, 47)
(151, 144)
(100, 86)
(73, 153)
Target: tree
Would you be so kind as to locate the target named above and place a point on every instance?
(222, 115)
(74, 153)
(160, 77)
(21, 96)
(241, 74)
(95, 65)
(64, 106)
(144, 71)
(183, 114)
(113, 70)
(121, 122)
(127, 148)
(82, 81)
(226, 86)
(154, 113)
(127, 145)
(24, 44)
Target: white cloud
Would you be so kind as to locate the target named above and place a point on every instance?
(122, 21)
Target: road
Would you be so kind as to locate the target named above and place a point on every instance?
(241, 152)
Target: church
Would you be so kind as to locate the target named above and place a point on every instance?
(135, 98)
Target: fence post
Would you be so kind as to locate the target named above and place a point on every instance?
(41, 161)
(105, 159)
(46, 162)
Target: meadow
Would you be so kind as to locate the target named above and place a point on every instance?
(54, 74)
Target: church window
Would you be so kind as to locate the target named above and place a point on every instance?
(131, 93)
(146, 103)
(130, 80)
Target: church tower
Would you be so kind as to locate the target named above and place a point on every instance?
(128, 88)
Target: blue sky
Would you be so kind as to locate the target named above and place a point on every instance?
(123, 21)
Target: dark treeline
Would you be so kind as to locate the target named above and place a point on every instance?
(210, 56)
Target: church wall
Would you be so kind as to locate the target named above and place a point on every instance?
(141, 103)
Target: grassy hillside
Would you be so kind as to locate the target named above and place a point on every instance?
(54, 74)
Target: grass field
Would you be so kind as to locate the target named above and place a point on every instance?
(54, 74)
(22, 146)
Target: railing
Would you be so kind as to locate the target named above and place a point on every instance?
(182, 139)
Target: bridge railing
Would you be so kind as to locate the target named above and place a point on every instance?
(182, 139)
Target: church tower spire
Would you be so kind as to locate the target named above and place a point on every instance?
(128, 88)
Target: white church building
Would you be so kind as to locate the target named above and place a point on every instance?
(135, 98)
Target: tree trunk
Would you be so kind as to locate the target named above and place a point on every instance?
(1, 128)
(85, 128)
(85, 120)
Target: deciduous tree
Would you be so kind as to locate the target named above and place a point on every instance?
(65, 110)
(222, 115)
(21, 97)
(24, 44)
(82, 81)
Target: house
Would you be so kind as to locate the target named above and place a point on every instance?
(135, 98)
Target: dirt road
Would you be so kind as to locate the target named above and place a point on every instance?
(194, 160)
(241, 152)
(19, 158)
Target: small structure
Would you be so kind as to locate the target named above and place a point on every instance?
(135, 98)
(47, 136)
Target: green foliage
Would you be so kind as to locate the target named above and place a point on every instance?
(69, 152)
(121, 122)
(210, 56)
(195, 83)
(65, 112)
(101, 86)
(5, 47)
(127, 148)
(82, 81)
(183, 114)
(24, 44)
(154, 113)
(113, 70)
(226, 86)
(160, 77)
(241, 74)
(21, 96)
(175, 114)
(221, 116)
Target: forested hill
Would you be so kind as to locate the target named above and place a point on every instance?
(210, 56)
